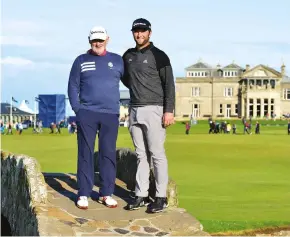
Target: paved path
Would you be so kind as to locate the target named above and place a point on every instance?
(61, 217)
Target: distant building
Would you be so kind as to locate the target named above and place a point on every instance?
(17, 114)
(232, 91)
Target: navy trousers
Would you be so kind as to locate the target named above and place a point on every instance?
(89, 124)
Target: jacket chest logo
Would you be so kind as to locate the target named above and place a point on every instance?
(130, 60)
(110, 65)
(88, 66)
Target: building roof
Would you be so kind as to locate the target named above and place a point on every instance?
(199, 65)
(124, 95)
(5, 110)
(233, 66)
(202, 65)
(275, 72)
(271, 69)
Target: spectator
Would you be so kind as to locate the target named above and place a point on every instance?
(20, 128)
(40, 126)
(58, 127)
(51, 128)
(257, 129)
(187, 128)
(229, 128)
(9, 130)
(234, 128)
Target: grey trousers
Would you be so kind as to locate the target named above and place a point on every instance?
(148, 135)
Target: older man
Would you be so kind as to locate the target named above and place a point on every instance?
(93, 91)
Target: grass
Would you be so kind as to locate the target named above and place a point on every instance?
(228, 182)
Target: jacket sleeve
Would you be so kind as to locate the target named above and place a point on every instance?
(74, 86)
(125, 77)
(166, 75)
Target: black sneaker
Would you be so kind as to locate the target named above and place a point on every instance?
(158, 205)
(138, 202)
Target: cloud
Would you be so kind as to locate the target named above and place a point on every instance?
(10, 27)
(19, 62)
(21, 33)
(15, 61)
(20, 41)
(15, 68)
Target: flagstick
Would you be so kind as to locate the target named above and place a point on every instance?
(11, 111)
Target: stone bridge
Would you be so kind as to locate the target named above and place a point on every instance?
(43, 204)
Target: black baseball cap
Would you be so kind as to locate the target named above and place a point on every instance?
(141, 23)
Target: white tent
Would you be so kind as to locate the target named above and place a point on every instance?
(23, 106)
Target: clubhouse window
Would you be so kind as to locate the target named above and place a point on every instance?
(221, 108)
(195, 91)
(228, 92)
(286, 94)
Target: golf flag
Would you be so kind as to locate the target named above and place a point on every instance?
(14, 100)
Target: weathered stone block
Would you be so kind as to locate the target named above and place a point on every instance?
(126, 172)
(22, 188)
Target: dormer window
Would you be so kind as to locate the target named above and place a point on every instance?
(230, 73)
(197, 74)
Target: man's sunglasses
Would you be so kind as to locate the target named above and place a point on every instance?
(139, 30)
(97, 41)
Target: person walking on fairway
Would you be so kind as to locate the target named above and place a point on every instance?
(93, 91)
(149, 77)
(187, 128)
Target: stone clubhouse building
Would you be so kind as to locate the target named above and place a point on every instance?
(232, 92)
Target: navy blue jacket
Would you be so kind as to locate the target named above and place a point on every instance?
(94, 83)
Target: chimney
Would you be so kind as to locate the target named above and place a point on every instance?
(283, 69)
(247, 67)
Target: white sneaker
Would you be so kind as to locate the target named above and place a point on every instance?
(82, 202)
(108, 201)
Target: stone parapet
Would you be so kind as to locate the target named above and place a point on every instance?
(126, 172)
(22, 189)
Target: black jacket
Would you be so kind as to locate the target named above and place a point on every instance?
(149, 77)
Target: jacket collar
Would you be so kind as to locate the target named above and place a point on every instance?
(150, 46)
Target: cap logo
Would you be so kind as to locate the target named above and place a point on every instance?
(140, 23)
(93, 32)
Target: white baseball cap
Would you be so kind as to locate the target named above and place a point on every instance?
(98, 32)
